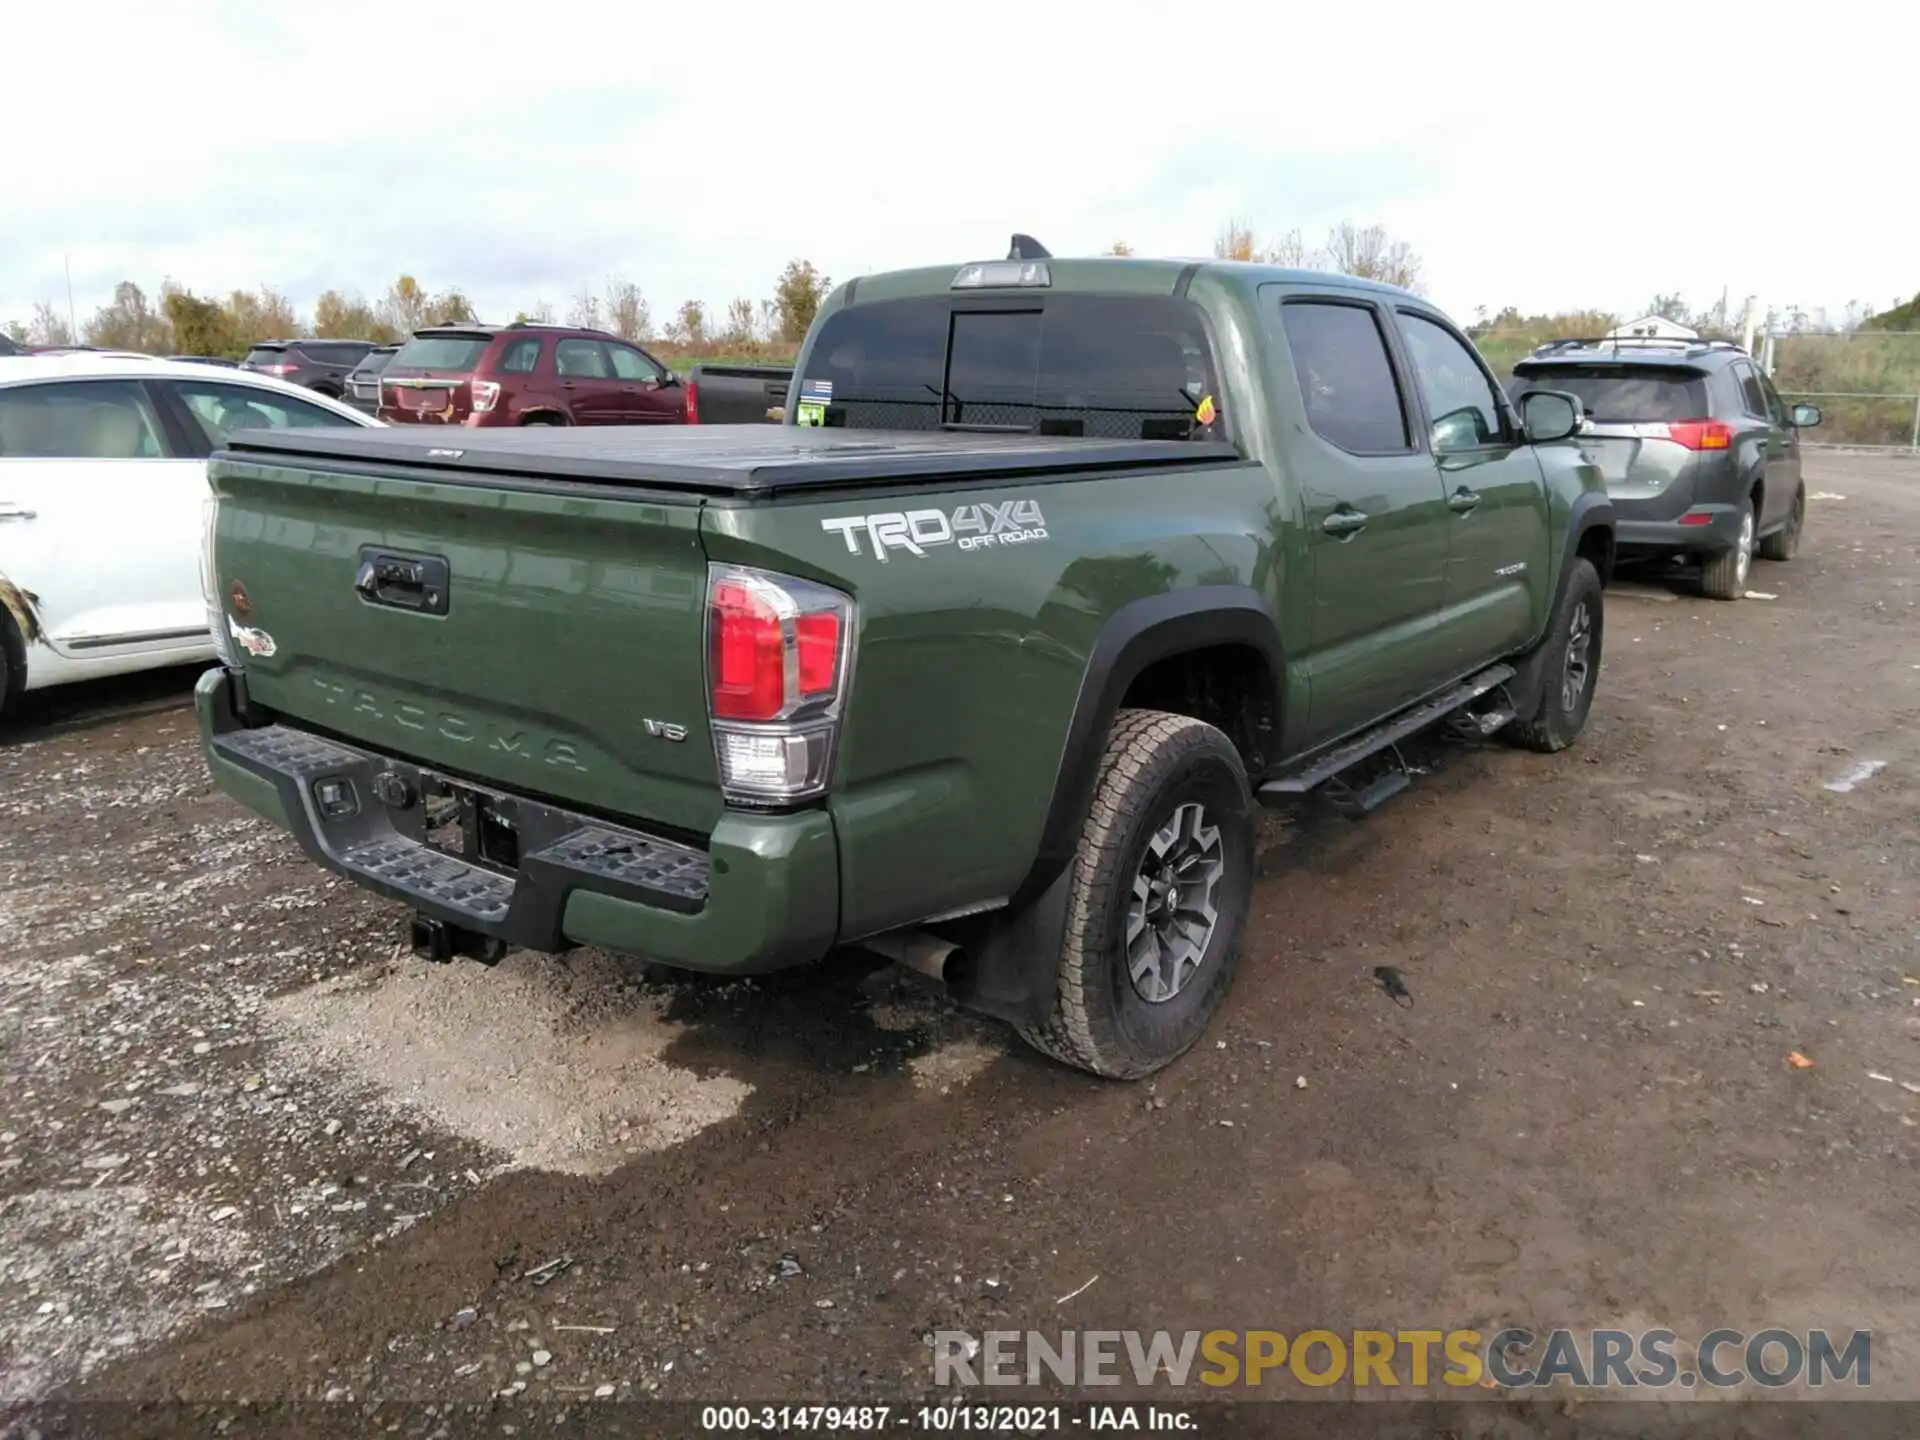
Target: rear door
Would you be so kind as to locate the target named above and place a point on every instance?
(587, 383)
(100, 511)
(1496, 496)
(1376, 529)
(1629, 409)
(645, 397)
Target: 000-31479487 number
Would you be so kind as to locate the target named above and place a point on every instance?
(783, 1419)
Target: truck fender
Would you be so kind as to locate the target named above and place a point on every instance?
(1138, 634)
(1010, 953)
(1591, 511)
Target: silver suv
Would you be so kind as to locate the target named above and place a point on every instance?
(1701, 456)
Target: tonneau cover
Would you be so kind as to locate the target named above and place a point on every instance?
(716, 459)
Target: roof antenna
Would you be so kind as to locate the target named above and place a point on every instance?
(1025, 247)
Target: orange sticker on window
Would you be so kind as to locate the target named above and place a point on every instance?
(1206, 413)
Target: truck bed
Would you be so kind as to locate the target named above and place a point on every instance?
(721, 460)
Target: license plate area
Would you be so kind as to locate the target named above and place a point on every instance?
(474, 825)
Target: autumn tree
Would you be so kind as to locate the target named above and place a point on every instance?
(583, 310)
(1372, 254)
(48, 327)
(1237, 241)
(689, 327)
(541, 314)
(797, 297)
(348, 317)
(1119, 247)
(200, 327)
(628, 314)
(16, 331)
(263, 314)
(128, 323)
(741, 327)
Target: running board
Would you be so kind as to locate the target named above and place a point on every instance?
(1406, 723)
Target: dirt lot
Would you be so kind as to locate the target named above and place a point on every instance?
(248, 1146)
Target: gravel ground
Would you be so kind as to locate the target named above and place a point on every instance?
(250, 1146)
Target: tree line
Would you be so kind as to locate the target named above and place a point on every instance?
(183, 323)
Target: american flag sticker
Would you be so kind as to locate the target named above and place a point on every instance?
(821, 390)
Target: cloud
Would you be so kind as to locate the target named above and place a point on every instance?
(1545, 158)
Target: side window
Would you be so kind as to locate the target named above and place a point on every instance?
(630, 364)
(79, 420)
(1346, 380)
(222, 409)
(521, 356)
(1752, 398)
(1461, 399)
(1776, 408)
(583, 359)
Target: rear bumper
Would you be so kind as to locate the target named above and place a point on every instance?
(763, 895)
(1721, 531)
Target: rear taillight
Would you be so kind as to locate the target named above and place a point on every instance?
(779, 654)
(282, 368)
(485, 393)
(1700, 434)
(693, 403)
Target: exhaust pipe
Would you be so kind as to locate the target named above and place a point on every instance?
(921, 952)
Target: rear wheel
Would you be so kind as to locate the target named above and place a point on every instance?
(1724, 576)
(1784, 543)
(1160, 889)
(543, 420)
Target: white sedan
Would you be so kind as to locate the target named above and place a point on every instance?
(103, 478)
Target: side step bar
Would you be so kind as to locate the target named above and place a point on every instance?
(1382, 737)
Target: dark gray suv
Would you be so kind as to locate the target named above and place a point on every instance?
(1701, 456)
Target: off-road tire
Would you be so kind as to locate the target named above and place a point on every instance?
(1554, 724)
(1784, 543)
(1154, 764)
(1723, 576)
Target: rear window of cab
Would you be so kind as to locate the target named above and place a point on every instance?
(1123, 367)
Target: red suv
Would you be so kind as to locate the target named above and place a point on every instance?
(525, 374)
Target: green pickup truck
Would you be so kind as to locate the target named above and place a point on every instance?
(980, 660)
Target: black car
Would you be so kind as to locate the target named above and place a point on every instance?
(363, 384)
(8, 346)
(320, 365)
(1700, 454)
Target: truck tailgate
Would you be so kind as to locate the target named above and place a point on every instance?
(569, 660)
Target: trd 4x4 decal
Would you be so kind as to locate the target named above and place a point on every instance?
(971, 527)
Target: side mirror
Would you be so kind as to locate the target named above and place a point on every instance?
(1550, 415)
(1804, 416)
(672, 377)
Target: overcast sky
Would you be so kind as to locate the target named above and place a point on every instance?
(1548, 156)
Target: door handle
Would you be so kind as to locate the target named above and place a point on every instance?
(1344, 522)
(1463, 501)
(15, 512)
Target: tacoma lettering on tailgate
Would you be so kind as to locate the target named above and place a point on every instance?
(458, 728)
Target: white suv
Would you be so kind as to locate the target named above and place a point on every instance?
(103, 477)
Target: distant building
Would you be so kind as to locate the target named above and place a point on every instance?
(1652, 327)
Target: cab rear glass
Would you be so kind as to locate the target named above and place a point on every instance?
(1100, 366)
(1624, 393)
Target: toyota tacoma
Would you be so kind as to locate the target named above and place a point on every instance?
(1054, 570)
